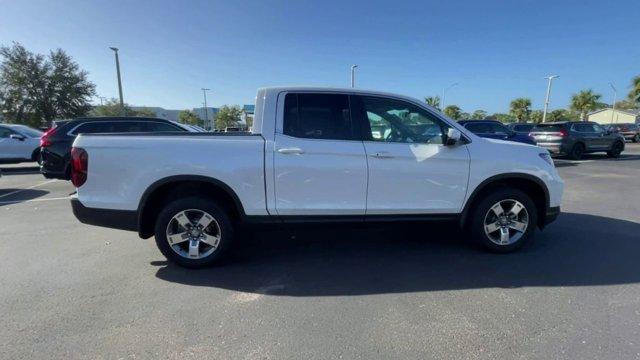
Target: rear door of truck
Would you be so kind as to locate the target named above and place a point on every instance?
(320, 166)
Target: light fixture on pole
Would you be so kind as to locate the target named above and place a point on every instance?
(353, 75)
(444, 93)
(115, 50)
(206, 111)
(615, 97)
(546, 99)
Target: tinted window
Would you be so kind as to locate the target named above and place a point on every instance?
(4, 132)
(393, 120)
(128, 126)
(583, 128)
(522, 128)
(478, 128)
(93, 128)
(161, 127)
(317, 116)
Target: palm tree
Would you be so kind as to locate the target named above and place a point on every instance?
(584, 101)
(479, 115)
(453, 111)
(520, 108)
(634, 94)
(433, 101)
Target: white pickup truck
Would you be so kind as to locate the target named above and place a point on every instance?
(314, 155)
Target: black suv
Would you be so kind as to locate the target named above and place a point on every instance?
(576, 138)
(55, 144)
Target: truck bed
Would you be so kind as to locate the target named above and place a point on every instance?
(143, 158)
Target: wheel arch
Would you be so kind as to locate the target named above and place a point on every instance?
(184, 185)
(35, 153)
(529, 184)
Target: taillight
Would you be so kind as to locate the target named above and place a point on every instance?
(563, 132)
(45, 139)
(79, 166)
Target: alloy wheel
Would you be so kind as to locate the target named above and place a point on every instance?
(506, 222)
(193, 234)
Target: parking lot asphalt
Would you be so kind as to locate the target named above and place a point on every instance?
(70, 290)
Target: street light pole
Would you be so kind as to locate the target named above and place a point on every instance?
(353, 75)
(615, 96)
(546, 100)
(206, 112)
(444, 93)
(115, 50)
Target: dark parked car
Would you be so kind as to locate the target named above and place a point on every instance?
(575, 138)
(521, 128)
(55, 144)
(630, 131)
(495, 130)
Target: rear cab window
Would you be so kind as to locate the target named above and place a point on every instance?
(318, 116)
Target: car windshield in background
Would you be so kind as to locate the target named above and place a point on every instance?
(547, 128)
(30, 132)
(487, 128)
(523, 127)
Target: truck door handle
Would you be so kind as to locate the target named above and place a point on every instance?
(381, 155)
(293, 150)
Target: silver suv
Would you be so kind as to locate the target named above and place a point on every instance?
(576, 138)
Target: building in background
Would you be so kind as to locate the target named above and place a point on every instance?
(247, 114)
(604, 116)
(210, 116)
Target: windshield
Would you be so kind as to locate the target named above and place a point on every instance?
(523, 127)
(30, 132)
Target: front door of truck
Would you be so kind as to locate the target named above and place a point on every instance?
(320, 166)
(411, 171)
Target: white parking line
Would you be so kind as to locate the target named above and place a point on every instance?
(34, 200)
(28, 188)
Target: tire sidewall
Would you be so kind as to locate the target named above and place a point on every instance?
(616, 149)
(206, 205)
(577, 155)
(485, 204)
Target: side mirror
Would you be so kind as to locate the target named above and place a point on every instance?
(16, 137)
(453, 136)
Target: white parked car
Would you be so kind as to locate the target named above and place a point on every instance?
(19, 143)
(314, 155)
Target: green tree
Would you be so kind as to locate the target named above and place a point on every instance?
(112, 108)
(634, 94)
(625, 105)
(35, 89)
(433, 101)
(479, 115)
(520, 108)
(536, 116)
(228, 116)
(188, 117)
(453, 111)
(584, 101)
(505, 118)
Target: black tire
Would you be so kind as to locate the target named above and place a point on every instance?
(636, 139)
(209, 206)
(616, 149)
(481, 213)
(37, 156)
(577, 151)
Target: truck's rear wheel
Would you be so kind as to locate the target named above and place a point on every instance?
(193, 232)
(504, 220)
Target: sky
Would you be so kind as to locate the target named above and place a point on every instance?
(494, 50)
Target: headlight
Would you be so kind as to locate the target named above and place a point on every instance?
(546, 157)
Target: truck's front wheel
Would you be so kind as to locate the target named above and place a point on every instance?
(193, 232)
(504, 220)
